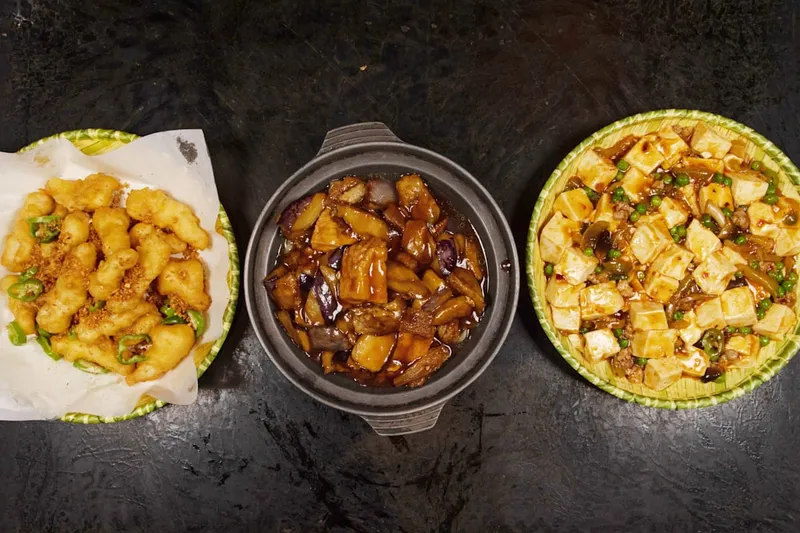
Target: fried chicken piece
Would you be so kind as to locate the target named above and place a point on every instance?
(154, 252)
(156, 207)
(62, 302)
(111, 225)
(102, 352)
(108, 276)
(142, 230)
(170, 344)
(106, 322)
(24, 312)
(93, 192)
(20, 244)
(74, 230)
(186, 280)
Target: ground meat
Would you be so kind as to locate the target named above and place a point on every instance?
(625, 289)
(740, 219)
(602, 277)
(657, 185)
(622, 362)
(629, 330)
(622, 211)
(635, 374)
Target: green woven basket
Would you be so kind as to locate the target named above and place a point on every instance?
(95, 142)
(687, 393)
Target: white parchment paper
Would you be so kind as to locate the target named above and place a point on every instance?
(33, 386)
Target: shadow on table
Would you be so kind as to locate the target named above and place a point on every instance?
(520, 223)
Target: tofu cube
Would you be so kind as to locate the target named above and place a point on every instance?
(673, 212)
(574, 204)
(691, 333)
(556, 237)
(739, 307)
(660, 287)
(733, 256)
(575, 266)
(762, 220)
(777, 322)
(746, 345)
(709, 314)
(673, 261)
(596, 171)
(716, 194)
(576, 339)
(600, 344)
(648, 315)
(690, 195)
(566, 319)
(649, 240)
(747, 187)
(604, 211)
(708, 142)
(695, 362)
(600, 300)
(635, 184)
(671, 145)
(562, 294)
(661, 373)
(707, 165)
(701, 241)
(645, 155)
(654, 344)
(788, 242)
(714, 274)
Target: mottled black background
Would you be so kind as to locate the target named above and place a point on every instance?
(506, 89)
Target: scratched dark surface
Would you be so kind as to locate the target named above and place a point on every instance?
(504, 88)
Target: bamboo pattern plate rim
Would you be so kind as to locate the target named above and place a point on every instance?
(99, 141)
(722, 393)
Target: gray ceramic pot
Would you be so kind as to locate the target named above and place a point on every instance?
(370, 149)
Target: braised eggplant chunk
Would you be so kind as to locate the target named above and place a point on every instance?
(669, 256)
(374, 283)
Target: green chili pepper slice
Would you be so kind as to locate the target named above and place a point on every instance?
(16, 335)
(44, 342)
(712, 342)
(166, 310)
(42, 333)
(172, 320)
(26, 291)
(197, 321)
(129, 341)
(89, 367)
(96, 306)
(46, 228)
(28, 273)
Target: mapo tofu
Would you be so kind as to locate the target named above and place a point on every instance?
(672, 255)
(375, 282)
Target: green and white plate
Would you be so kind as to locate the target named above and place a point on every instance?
(687, 393)
(95, 142)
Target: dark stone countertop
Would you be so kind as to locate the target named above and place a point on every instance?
(504, 88)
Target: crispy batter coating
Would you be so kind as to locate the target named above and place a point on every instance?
(107, 322)
(170, 345)
(156, 207)
(96, 190)
(102, 352)
(74, 230)
(20, 244)
(104, 281)
(154, 255)
(186, 280)
(142, 230)
(68, 295)
(111, 225)
(24, 312)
